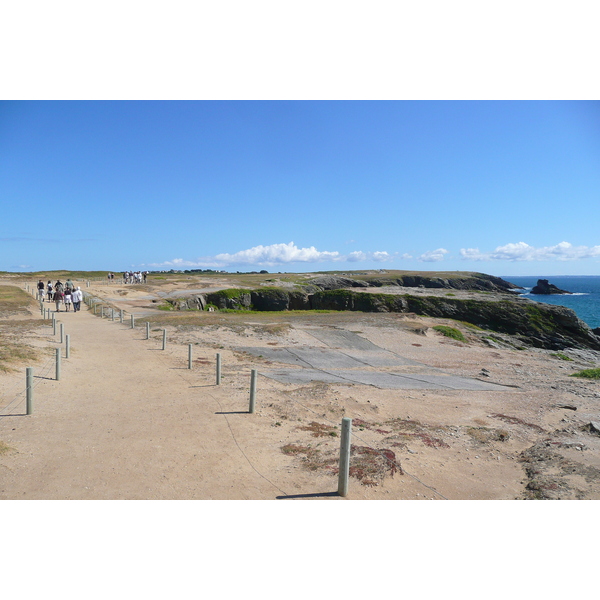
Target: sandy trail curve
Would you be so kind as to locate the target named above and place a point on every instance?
(128, 420)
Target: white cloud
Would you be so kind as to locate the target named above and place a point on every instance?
(433, 255)
(521, 251)
(356, 256)
(275, 254)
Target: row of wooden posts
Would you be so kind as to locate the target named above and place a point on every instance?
(345, 442)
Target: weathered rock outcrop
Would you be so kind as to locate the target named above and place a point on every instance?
(465, 281)
(190, 303)
(544, 287)
(329, 282)
(262, 299)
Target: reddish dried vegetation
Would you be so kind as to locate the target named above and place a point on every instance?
(370, 466)
(517, 421)
(408, 428)
(320, 430)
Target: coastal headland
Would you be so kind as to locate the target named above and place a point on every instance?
(458, 388)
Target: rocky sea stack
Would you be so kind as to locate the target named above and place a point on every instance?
(544, 287)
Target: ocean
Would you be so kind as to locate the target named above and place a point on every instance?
(585, 300)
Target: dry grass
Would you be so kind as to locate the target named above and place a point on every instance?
(485, 435)
(410, 429)
(14, 352)
(15, 302)
(320, 430)
(312, 458)
(4, 448)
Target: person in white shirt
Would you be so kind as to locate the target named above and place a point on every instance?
(77, 298)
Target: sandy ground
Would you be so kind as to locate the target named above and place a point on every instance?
(128, 420)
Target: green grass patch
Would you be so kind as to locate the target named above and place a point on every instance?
(587, 374)
(231, 293)
(450, 332)
(561, 356)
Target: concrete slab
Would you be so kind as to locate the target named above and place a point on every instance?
(351, 358)
(381, 379)
(326, 358)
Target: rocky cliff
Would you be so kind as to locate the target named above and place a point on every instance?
(463, 281)
(535, 324)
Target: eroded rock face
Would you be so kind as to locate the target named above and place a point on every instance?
(472, 282)
(544, 287)
(329, 282)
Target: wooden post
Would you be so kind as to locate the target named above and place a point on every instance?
(53, 323)
(132, 322)
(189, 356)
(62, 333)
(218, 368)
(67, 346)
(121, 316)
(112, 311)
(29, 384)
(344, 471)
(147, 330)
(253, 376)
(164, 343)
(58, 364)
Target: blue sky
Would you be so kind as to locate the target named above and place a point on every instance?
(502, 187)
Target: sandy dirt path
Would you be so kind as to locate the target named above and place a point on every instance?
(128, 420)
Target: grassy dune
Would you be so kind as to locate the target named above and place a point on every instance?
(15, 302)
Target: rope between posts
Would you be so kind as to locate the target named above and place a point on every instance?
(378, 452)
(366, 444)
(17, 400)
(243, 453)
(353, 433)
(192, 384)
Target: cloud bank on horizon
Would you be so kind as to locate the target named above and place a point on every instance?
(276, 254)
(524, 252)
(287, 254)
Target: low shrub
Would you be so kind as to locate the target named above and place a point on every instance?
(450, 332)
(587, 374)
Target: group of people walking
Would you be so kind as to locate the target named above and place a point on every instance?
(135, 277)
(61, 293)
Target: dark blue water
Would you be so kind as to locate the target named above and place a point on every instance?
(585, 301)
